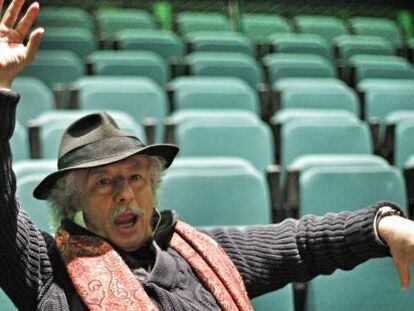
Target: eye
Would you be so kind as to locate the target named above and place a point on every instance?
(103, 182)
(136, 177)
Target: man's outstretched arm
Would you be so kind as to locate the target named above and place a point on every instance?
(25, 271)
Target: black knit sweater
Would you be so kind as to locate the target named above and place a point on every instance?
(267, 257)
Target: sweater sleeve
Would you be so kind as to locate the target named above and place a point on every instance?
(25, 271)
(268, 257)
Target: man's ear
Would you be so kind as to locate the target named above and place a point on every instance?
(78, 219)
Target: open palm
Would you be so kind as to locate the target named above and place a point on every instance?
(14, 55)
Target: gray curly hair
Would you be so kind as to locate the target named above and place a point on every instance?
(66, 197)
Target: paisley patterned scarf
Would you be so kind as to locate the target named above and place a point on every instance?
(105, 282)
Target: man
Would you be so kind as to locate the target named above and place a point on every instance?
(114, 251)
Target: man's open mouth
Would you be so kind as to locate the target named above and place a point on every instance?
(126, 220)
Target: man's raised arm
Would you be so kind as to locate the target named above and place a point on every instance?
(24, 264)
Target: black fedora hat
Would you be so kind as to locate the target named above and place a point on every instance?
(96, 140)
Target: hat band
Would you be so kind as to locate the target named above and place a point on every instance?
(99, 150)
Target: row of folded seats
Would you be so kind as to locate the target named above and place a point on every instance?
(251, 153)
(226, 172)
(209, 48)
(387, 104)
(109, 25)
(59, 68)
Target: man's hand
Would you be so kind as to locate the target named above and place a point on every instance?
(398, 232)
(14, 55)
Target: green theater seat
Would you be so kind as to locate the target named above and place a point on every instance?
(165, 43)
(300, 44)
(288, 65)
(55, 66)
(213, 93)
(52, 124)
(78, 40)
(325, 26)
(225, 64)
(188, 22)
(64, 17)
(130, 63)
(140, 98)
(224, 133)
(258, 26)
(223, 41)
(381, 27)
(212, 197)
(35, 98)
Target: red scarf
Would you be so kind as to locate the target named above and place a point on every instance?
(105, 282)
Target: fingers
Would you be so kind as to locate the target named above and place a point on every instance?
(33, 44)
(26, 22)
(404, 273)
(12, 12)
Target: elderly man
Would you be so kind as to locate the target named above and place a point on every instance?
(115, 251)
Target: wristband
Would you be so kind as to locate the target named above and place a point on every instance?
(382, 213)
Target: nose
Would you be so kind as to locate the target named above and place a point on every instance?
(124, 193)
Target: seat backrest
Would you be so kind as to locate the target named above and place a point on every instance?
(404, 142)
(5, 302)
(381, 27)
(166, 44)
(53, 124)
(225, 64)
(379, 103)
(211, 197)
(78, 40)
(19, 143)
(64, 17)
(300, 43)
(33, 166)
(282, 298)
(327, 27)
(140, 98)
(349, 290)
(55, 66)
(287, 83)
(258, 26)
(350, 45)
(226, 135)
(321, 97)
(306, 162)
(335, 189)
(196, 21)
(367, 85)
(35, 98)
(112, 20)
(130, 63)
(381, 67)
(213, 41)
(38, 210)
(214, 93)
(285, 116)
(302, 137)
(290, 65)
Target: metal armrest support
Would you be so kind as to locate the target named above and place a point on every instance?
(35, 144)
(273, 181)
(169, 125)
(150, 125)
(292, 202)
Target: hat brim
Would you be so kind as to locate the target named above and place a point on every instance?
(165, 151)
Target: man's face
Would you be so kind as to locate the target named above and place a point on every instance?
(119, 202)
